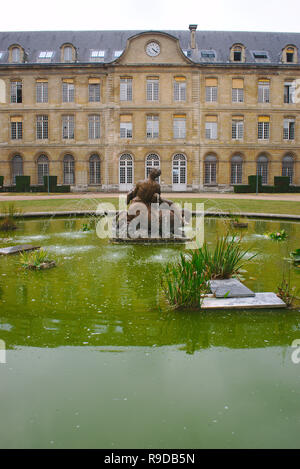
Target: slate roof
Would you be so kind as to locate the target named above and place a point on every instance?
(110, 41)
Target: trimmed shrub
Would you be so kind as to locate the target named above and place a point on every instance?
(1, 181)
(294, 189)
(281, 183)
(252, 183)
(242, 189)
(62, 189)
(52, 180)
(268, 189)
(22, 183)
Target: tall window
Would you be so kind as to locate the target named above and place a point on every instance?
(238, 128)
(69, 169)
(68, 54)
(95, 176)
(94, 90)
(237, 54)
(152, 162)
(126, 169)
(288, 167)
(210, 169)
(289, 129)
(152, 126)
(16, 167)
(125, 126)
(16, 128)
(211, 128)
(179, 89)
(68, 91)
(289, 92)
(263, 128)
(15, 55)
(263, 168)
(41, 91)
(179, 170)
(152, 89)
(16, 92)
(68, 127)
(41, 127)
(42, 168)
(237, 90)
(94, 126)
(263, 91)
(179, 126)
(126, 89)
(236, 169)
(211, 90)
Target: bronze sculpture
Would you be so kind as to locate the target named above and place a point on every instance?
(149, 215)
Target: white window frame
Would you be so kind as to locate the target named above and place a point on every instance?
(211, 130)
(42, 127)
(152, 89)
(237, 129)
(289, 129)
(152, 124)
(179, 127)
(125, 129)
(263, 131)
(16, 130)
(264, 92)
(211, 94)
(68, 92)
(179, 90)
(94, 126)
(125, 89)
(42, 92)
(94, 92)
(68, 127)
(237, 95)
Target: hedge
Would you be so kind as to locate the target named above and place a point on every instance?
(62, 189)
(22, 183)
(1, 181)
(52, 181)
(281, 184)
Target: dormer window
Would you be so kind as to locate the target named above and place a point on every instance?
(260, 55)
(208, 54)
(46, 54)
(68, 54)
(15, 55)
(118, 53)
(289, 55)
(97, 55)
(237, 53)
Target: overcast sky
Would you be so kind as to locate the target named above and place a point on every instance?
(242, 15)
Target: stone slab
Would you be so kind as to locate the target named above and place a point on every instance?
(231, 288)
(259, 301)
(17, 249)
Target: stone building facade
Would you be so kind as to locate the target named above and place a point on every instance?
(99, 109)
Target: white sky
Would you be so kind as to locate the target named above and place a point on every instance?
(234, 15)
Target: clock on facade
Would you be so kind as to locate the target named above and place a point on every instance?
(153, 49)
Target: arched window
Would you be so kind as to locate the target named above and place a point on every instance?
(152, 162)
(237, 53)
(179, 172)
(210, 169)
(126, 171)
(69, 169)
(95, 175)
(16, 167)
(236, 169)
(288, 167)
(263, 168)
(68, 54)
(42, 168)
(15, 55)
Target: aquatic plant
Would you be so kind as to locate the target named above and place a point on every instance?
(185, 283)
(286, 292)
(8, 222)
(295, 256)
(224, 260)
(36, 260)
(277, 235)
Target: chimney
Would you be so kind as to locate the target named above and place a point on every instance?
(192, 28)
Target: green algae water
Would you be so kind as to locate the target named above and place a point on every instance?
(95, 358)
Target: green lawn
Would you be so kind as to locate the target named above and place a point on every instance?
(231, 205)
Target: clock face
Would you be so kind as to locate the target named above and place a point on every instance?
(153, 49)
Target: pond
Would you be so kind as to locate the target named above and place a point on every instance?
(97, 359)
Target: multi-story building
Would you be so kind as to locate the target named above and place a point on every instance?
(100, 109)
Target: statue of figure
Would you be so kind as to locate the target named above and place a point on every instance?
(157, 211)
